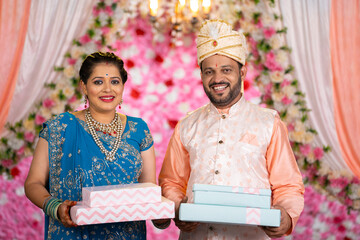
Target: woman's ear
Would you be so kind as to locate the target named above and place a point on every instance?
(83, 87)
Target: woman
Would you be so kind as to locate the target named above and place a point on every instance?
(92, 147)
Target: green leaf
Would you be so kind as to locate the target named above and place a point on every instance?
(97, 22)
(58, 69)
(91, 33)
(326, 149)
(284, 30)
(113, 6)
(256, 17)
(289, 69)
(61, 95)
(304, 118)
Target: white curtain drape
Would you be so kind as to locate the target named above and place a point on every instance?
(308, 26)
(53, 25)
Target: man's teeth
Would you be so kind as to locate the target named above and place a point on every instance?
(219, 88)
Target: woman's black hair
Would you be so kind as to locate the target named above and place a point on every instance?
(92, 60)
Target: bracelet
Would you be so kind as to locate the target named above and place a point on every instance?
(51, 207)
(162, 226)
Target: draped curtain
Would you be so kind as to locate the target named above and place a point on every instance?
(345, 54)
(14, 17)
(308, 31)
(53, 25)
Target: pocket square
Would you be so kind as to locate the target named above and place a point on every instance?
(250, 139)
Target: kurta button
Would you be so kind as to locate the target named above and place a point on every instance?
(211, 228)
(223, 116)
(221, 141)
(217, 172)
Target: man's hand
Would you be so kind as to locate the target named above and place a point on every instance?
(285, 224)
(64, 213)
(184, 226)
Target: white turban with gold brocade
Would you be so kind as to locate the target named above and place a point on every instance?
(217, 37)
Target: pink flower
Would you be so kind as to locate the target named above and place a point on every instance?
(85, 39)
(71, 61)
(285, 100)
(39, 119)
(285, 83)
(20, 151)
(109, 10)
(305, 149)
(291, 127)
(48, 103)
(318, 152)
(105, 30)
(96, 11)
(72, 99)
(271, 63)
(7, 163)
(29, 136)
(268, 32)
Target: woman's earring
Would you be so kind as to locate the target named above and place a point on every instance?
(85, 101)
(120, 103)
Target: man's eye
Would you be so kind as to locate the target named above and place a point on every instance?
(208, 72)
(226, 70)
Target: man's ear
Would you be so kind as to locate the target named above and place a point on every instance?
(243, 72)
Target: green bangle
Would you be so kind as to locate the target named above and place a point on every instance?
(51, 207)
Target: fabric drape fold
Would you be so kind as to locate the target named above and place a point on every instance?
(14, 18)
(53, 25)
(345, 56)
(308, 24)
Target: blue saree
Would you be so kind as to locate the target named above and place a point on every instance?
(75, 161)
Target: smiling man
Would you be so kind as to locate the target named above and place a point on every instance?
(230, 141)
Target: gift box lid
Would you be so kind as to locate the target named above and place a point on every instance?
(232, 189)
(120, 187)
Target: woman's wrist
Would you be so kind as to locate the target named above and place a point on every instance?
(51, 206)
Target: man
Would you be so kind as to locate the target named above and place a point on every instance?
(230, 142)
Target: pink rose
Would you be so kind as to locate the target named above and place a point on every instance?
(271, 63)
(48, 103)
(29, 136)
(109, 10)
(7, 163)
(39, 119)
(96, 11)
(71, 61)
(268, 32)
(105, 30)
(72, 99)
(318, 152)
(85, 39)
(285, 100)
(285, 83)
(305, 149)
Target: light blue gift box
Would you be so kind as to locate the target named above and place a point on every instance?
(231, 196)
(229, 215)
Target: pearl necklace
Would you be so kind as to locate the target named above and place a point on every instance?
(110, 155)
(105, 128)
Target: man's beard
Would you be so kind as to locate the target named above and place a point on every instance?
(234, 93)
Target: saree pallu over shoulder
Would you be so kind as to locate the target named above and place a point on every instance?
(75, 161)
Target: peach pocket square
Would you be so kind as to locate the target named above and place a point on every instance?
(249, 139)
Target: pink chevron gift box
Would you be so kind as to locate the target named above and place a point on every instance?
(84, 215)
(113, 195)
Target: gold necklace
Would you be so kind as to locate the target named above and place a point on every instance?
(110, 155)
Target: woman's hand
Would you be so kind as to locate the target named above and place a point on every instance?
(64, 213)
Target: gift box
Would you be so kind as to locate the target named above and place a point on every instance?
(229, 215)
(84, 215)
(113, 195)
(232, 196)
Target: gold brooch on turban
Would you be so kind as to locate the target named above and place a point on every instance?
(217, 37)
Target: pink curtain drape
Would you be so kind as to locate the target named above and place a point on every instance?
(14, 17)
(345, 54)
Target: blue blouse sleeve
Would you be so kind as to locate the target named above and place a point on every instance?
(145, 135)
(44, 133)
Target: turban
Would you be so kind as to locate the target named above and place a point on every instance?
(217, 37)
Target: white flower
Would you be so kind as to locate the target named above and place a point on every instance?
(68, 92)
(325, 169)
(157, 137)
(167, 63)
(311, 157)
(3, 199)
(293, 111)
(275, 42)
(186, 58)
(289, 90)
(150, 54)
(276, 76)
(172, 96)
(297, 136)
(20, 191)
(15, 143)
(46, 113)
(58, 108)
(184, 107)
(179, 74)
(29, 125)
(76, 52)
(282, 57)
(136, 76)
(309, 137)
(161, 88)
(130, 52)
(150, 98)
(69, 71)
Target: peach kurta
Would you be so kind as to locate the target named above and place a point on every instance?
(247, 147)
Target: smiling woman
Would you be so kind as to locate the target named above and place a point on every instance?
(92, 147)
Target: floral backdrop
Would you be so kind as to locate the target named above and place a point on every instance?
(164, 84)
